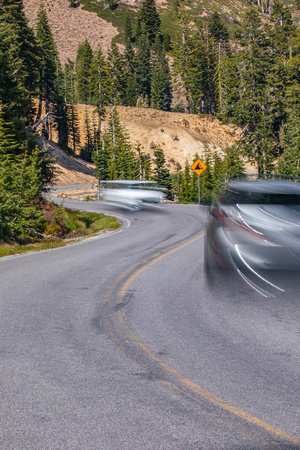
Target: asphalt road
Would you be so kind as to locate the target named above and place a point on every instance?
(120, 342)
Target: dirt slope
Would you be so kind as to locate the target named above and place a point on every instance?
(180, 135)
(70, 170)
(71, 26)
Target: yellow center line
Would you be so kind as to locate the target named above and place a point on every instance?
(160, 256)
(183, 380)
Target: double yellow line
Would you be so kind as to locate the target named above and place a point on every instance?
(125, 280)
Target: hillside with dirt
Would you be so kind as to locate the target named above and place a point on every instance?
(71, 26)
(179, 135)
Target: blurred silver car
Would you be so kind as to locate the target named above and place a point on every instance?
(254, 224)
(131, 193)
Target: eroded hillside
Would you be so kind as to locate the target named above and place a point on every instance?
(180, 136)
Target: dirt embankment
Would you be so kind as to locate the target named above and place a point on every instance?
(179, 135)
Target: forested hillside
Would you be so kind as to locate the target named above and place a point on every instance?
(236, 63)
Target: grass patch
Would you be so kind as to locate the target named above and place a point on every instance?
(115, 16)
(66, 226)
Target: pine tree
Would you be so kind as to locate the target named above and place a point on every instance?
(113, 157)
(118, 83)
(220, 79)
(218, 30)
(101, 83)
(84, 58)
(24, 176)
(18, 75)
(131, 90)
(23, 40)
(8, 142)
(181, 67)
(101, 157)
(289, 162)
(253, 108)
(185, 187)
(72, 133)
(150, 20)
(177, 181)
(233, 163)
(48, 66)
(144, 164)
(161, 173)
(143, 71)
(282, 36)
(87, 150)
(73, 129)
(207, 180)
(201, 74)
(128, 27)
(161, 89)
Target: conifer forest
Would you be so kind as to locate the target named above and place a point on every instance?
(247, 74)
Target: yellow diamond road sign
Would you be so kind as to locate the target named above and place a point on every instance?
(198, 166)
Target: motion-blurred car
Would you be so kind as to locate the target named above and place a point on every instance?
(254, 224)
(131, 193)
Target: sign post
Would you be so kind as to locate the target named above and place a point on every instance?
(198, 166)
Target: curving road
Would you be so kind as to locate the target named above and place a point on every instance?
(120, 342)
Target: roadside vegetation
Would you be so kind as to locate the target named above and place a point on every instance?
(61, 226)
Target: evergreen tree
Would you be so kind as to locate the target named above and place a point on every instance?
(144, 164)
(8, 142)
(220, 79)
(73, 129)
(48, 66)
(72, 124)
(101, 157)
(143, 72)
(161, 173)
(207, 180)
(114, 158)
(282, 35)
(23, 178)
(161, 89)
(128, 27)
(101, 85)
(289, 162)
(233, 163)
(218, 30)
(150, 20)
(177, 181)
(118, 83)
(185, 194)
(84, 58)
(253, 108)
(201, 76)
(60, 109)
(181, 66)
(23, 41)
(87, 150)
(18, 62)
(131, 90)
